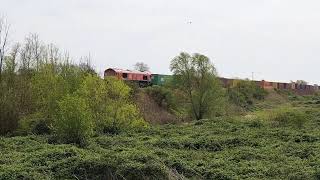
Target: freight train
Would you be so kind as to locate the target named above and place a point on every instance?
(302, 89)
(147, 78)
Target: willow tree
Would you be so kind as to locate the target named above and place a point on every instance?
(196, 76)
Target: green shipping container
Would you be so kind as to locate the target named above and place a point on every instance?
(159, 79)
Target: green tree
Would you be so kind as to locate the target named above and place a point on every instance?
(73, 123)
(196, 76)
(48, 88)
(94, 90)
(4, 34)
(121, 113)
(9, 102)
(110, 104)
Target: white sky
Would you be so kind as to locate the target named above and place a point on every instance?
(277, 39)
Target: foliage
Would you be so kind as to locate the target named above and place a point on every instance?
(47, 89)
(220, 148)
(8, 113)
(110, 103)
(8, 105)
(196, 77)
(37, 76)
(33, 124)
(94, 91)
(42, 92)
(34, 78)
(243, 93)
(124, 117)
(121, 113)
(172, 100)
(286, 116)
(73, 123)
(163, 96)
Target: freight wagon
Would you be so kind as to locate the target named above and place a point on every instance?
(159, 79)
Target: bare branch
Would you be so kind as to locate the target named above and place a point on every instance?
(140, 66)
(4, 32)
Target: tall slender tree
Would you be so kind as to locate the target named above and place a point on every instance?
(4, 33)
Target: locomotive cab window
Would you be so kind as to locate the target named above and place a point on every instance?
(125, 75)
(145, 77)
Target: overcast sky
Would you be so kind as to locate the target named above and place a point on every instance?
(276, 39)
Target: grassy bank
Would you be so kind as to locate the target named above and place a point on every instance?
(222, 148)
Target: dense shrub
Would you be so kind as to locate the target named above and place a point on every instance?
(243, 93)
(110, 104)
(33, 124)
(284, 116)
(9, 116)
(73, 123)
(162, 96)
(95, 92)
(121, 118)
(31, 101)
(9, 106)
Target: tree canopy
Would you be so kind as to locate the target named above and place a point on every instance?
(196, 76)
(140, 66)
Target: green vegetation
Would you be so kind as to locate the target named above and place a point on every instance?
(244, 92)
(195, 77)
(285, 116)
(42, 92)
(110, 104)
(221, 148)
(59, 120)
(73, 123)
(163, 96)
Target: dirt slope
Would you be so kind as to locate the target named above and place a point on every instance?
(151, 111)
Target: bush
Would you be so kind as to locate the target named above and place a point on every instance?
(162, 96)
(33, 124)
(94, 91)
(8, 117)
(110, 104)
(48, 85)
(73, 123)
(244, 93)
(120, 117)
(288, 117)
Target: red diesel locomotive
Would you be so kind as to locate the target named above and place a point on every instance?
(142, 78)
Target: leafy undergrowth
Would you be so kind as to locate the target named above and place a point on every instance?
(223, 148)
